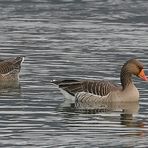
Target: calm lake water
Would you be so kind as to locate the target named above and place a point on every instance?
(71, 39)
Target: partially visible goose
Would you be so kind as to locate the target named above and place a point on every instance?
(100, 90)
(10, 68)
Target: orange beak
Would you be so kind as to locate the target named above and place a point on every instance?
(142, 75)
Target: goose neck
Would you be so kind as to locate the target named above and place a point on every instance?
(126, 78)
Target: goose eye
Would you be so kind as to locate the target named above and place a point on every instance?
(140, 68)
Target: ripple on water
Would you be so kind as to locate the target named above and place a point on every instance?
(71, 39)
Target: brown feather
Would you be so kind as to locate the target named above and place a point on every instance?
(92, 86)
(10, 68)
(8, 65)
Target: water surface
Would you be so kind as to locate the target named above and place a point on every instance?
(71, 39)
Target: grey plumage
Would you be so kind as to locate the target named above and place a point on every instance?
(10, 68)
(91, 86)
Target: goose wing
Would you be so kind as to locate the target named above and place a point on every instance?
(10, 65)
(97, 87)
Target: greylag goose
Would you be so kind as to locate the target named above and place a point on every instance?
(105, 91)
(10, 68)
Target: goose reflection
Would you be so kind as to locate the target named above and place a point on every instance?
(12, 87)
(130, 121)
(125, 109)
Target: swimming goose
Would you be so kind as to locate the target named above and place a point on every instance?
(10, 68)
(105, 91)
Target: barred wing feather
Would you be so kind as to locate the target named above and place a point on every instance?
(91, 86)
(10, 65)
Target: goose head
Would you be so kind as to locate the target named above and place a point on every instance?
(132, 67)
(136, 68)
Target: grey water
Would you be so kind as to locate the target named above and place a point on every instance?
(78, 39)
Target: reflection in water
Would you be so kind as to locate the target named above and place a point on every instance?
(129, 121)
(126, 110)
(10, 87)
(76, 39)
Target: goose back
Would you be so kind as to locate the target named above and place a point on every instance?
(98, 87)
(9, 68)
